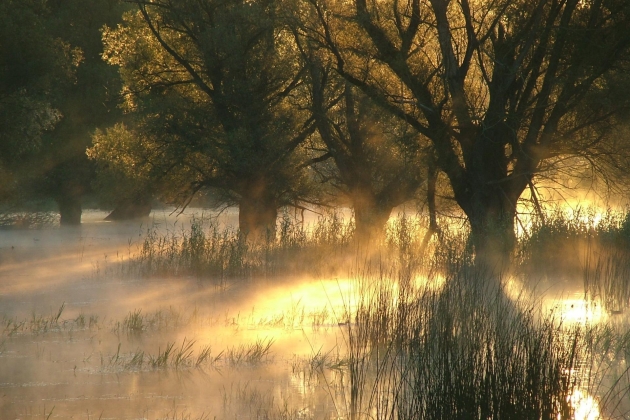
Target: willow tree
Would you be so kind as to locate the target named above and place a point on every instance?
(211, 88)
(377, 158)
(501, 89)
(504, 90)
(35, 67)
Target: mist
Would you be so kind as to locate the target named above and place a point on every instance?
(95, 325)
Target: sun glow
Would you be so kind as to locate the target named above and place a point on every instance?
(584, 405)
(577, 310)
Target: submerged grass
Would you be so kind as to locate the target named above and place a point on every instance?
(42, 324)
(183, 356)
(186, 355)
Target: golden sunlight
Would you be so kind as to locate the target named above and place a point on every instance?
(584, 405)
(577, 310)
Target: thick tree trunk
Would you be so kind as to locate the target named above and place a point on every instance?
(493, 236)
(129, 210)
(69, 210)
(370, 219)
(257, 215)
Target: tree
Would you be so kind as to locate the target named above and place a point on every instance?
(377, 158)
(89, 103)
(500, 89)
(34, 67)
(55, 91)
(211, 88)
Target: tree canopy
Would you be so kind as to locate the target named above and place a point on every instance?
(213, 90)
(503, 90)
(34, 68)
(55, 90)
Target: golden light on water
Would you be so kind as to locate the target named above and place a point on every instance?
(577, 310)
(307, 296)
(430, 283)
(584, 405)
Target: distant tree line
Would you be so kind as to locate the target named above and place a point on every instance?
(273, 103)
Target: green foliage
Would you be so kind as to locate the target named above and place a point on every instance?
(122, 172)
(35, 66)
(54, 91)
(211, 89)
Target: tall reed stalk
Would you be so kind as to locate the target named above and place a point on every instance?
(468, 352)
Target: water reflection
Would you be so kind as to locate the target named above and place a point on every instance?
(585, 406)
(90, 365)
(576, 310)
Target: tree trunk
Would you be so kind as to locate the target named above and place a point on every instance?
(370, 217)
(257, 215)
(432, 173)
(370, 222)
(69, 210)
(493, 237)
(129, 210)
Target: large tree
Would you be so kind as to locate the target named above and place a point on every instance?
(377, 159)
(503, 90)
(211, 92)
(35, 67)
(55, 90)
(65, 173)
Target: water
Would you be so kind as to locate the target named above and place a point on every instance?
(81, 341)
(80, 365)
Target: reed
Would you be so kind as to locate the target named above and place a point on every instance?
(467, 351)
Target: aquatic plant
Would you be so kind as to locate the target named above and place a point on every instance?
(467, 351)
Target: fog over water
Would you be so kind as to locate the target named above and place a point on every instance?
(81, 340)
(66, 348)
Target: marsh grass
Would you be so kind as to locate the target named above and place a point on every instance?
(136, 322)
(184, 416)
(38, 324)
(205, 250)
(249, 354)
(469, 352)
(244, 400)
(186, 355)
(27, 219)
(593, 250)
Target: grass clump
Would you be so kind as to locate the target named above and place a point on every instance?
(52, 323)
(251, 354)
(467, 351)
(592, 249)
(172, 356)
(207, 251)
(136, 322)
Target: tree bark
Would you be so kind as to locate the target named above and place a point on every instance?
(257, 214)
(69, 210)
(492, 219)
(432, 174)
